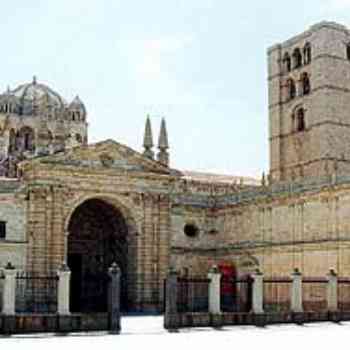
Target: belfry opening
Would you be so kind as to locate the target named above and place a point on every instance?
(98, 236)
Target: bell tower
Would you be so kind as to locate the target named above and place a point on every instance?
(309, 103)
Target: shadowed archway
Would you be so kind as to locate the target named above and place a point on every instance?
(98, 236)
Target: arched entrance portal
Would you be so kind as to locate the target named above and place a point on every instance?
(97, 238)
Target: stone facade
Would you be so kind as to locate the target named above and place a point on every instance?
(92, 204)
(318, 57)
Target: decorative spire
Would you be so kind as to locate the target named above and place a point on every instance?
(148, 140)
(34, 80)
(163, 145)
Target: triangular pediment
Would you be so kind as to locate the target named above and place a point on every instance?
(107, 154)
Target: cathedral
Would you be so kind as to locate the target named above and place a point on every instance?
(65, 201)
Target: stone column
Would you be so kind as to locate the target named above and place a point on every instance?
(148, 247)
(55, 226)
(9, 292)
(297, 292)
(114, 299)
(164, 244)
(258, 292)
(214, 291)
(171, 319)
(37, 226)
(332, 291)
(63, 290)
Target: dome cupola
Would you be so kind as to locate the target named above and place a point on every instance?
(33, 94)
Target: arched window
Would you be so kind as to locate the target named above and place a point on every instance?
(307, 53)
(305, 84)
(297, 58)
(300, 119)
(287, 64)
(291, 89)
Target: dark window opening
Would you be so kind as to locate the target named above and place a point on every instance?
(297, 58)
(78, 138)
(307, 53)
(305, 84)
(27, 145)
(26, 139)
(287, 63)
(300, 120)
(2, 229)
(191, 230)
(348, 51)
(291, 89)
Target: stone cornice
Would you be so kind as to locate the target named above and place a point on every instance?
(255, 245)
(271, 194)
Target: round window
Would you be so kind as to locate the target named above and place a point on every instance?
(191, 230)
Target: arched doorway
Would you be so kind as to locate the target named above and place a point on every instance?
(98, 236)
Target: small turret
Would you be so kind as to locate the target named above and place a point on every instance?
(77, 110)
(148, 140)
(163, 145)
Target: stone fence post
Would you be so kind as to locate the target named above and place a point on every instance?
(214, 291)
(297, 294)
(114, 299)
(258, 292)
(171, 317)
(9, 292)
(332, 291)
(63, 290)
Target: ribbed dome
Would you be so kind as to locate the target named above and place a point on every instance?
(26, 93)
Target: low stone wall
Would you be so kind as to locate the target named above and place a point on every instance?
(43, 323)
(234, 319)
